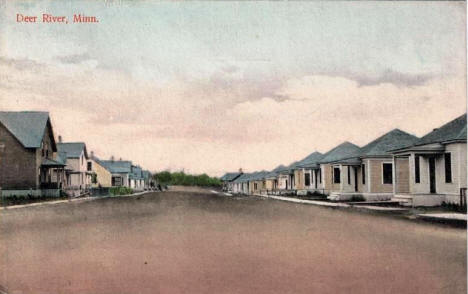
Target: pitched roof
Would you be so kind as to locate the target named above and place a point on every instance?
(137, 172)
(27, 126)
(343, 151)
(72, 150)
(311, 160)
(117, 166)
(395, 139)
(258, 175)
(230, 176)
(454, 130)
(275, 171)
(245, 177)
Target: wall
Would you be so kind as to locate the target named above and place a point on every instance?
(299, 179)
(402, 171)
(104, 177)
(376, 176)
(18, 166)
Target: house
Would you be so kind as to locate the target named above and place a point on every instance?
(101, 175)
(432, 170)
(76, 157)
(256, 182)
(120, 170)
(228, 178)
(368, 175)
(241, 184)
(286, 179)
(137, 182)
(308, 171)
(334, 166)
(28, 155)
(149, 182)
(271, 180)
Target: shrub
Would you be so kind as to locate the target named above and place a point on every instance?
(358, 198)
(183, 179)
(120, 191)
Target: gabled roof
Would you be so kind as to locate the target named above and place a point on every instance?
(117, 166)
(395, 139)
(454, 130)
(343, 151)
(28, 127)
(230, 176)
(73, 149)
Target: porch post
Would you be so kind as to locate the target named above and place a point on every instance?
(394, 171)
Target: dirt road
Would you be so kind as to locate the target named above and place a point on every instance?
(196, 242)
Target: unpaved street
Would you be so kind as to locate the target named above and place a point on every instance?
(197, 242)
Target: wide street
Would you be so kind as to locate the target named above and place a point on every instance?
(199, 242)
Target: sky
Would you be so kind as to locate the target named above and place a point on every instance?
(210, 87)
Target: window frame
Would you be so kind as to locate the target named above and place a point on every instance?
(417, 169)
(448, 167)
(335, 179)
(383, 173)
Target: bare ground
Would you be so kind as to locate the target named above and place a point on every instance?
(198, 242)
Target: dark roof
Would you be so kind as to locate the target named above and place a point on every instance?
(72, 150)
(146, 174)
(27, 126)
(137, 173)
(117, 166)
(392, 140)
(51, 163)
(230, 176)
(275, 171)
(454, 130)
(343, 151)
(245, 177)
(311, 160)
(258, 175)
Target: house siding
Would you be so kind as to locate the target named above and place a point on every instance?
(376, 176)
(18, 165)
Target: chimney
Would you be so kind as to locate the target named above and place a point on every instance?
(435, 129)
(92, 154)
(60, 139)
(240, 170)
(112, 158)
(120, 159)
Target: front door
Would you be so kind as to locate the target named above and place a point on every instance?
(315, 172)
(432, 175)
(355, 179)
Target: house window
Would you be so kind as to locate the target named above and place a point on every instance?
(307, 179)
(363, 168)
(90, 165)
(417, 178)
(448, 167)
(255, 186)
(349, 175)
(43, 152)
(47, 153)
(387, 173)
(336, 175)
(320, 175)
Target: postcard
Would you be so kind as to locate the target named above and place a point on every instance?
(233, 147)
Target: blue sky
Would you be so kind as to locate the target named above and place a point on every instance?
(252, 84)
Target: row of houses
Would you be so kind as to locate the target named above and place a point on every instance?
(32, 162)
(426, 171)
